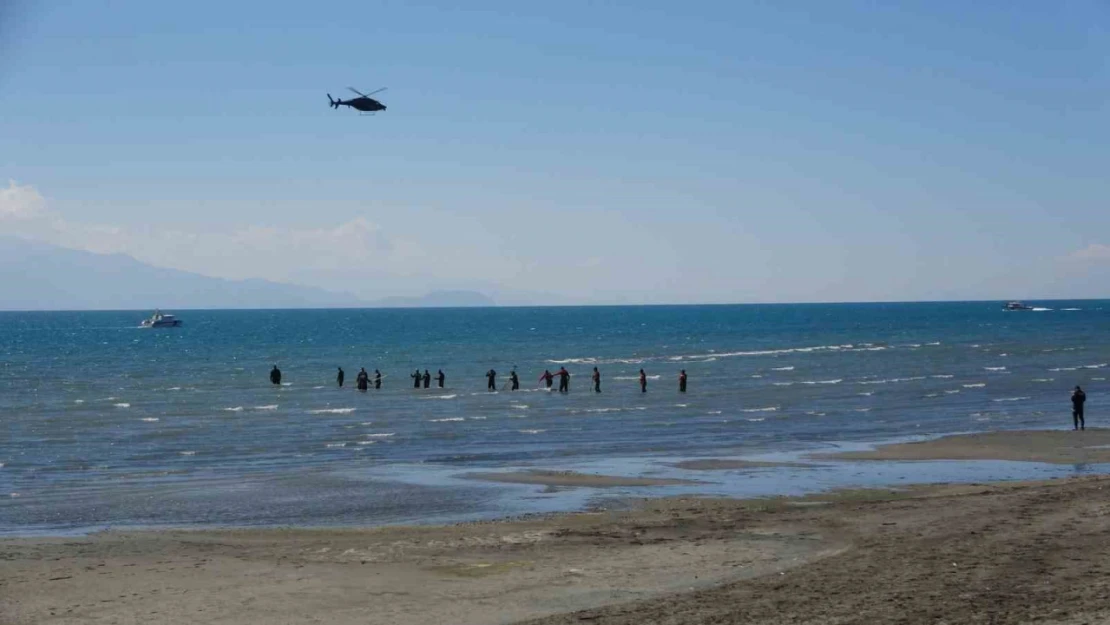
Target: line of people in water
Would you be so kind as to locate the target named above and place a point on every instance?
(362, 381)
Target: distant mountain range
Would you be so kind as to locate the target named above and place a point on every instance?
(39, 276)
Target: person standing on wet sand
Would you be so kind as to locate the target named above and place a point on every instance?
(547, 378)
(339, 377)
(440, 378)
(597, 380)
(362, 380)
(564, 380)
(514, 381)
(427, 379)
(275, 376)
(491, 380)
(1078, 398)
(643, 381)
(377, 379)
(682, 381)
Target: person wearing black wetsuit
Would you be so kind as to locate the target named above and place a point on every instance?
(491, 380)
(514, 381)
(643, 381)
(427, 379)
(416, 378)
(564, 380)
(440, 378)
(339, 377)
(362, 381)
(547, 378)
(377, 379)
(597, 380)
(275, 376)
(1078, 398)
(682, 381)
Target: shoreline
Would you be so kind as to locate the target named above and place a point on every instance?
(942, 550)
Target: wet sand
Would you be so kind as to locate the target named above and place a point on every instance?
(726, 464)
(1055, 446)
(572, 479)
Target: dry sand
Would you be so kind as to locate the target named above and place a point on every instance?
(1055, 446)
(572, 478)
(1003, 553)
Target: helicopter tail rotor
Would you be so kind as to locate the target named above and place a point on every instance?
(334, 104)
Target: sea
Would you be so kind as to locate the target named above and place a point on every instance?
(104, 424)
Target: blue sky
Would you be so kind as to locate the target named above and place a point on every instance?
(572, 152)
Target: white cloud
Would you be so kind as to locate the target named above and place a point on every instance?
(337, 252)
(1095, 252)
(21, 203)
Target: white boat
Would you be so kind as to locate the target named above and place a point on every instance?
(1017, 306)
(161, 320)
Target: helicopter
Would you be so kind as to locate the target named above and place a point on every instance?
(362, 103)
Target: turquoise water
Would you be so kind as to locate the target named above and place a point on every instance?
(106, 424)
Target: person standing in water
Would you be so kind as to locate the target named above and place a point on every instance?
(491, 380)
(1078, 398)
(564, 380)
(377, 379)
(427, 379)
(416, 377)
(339, 377)
(514, 381)
(547, 378)
(597, 380)
(440, 378)
(643, 381)
(682, 381)
(275, 376)
(362, 381)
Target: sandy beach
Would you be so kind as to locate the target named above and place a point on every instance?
(991, 553)
(1052, 446)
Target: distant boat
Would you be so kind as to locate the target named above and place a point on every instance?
(1016, 306)
(161, 320)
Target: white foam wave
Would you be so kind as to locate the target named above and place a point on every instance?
(477, 418)
(531, 431)
(757, 419)
(122, 404)
(682, 405)
(977, 385)
(1058, 369)
(1071, 309)
(1099, 379)
(335, 445)
(767, 409)
(952, 392)
(867, 393)
(783, 383)
(933, 344)
(446, 419)
(863, 410)
(187, 453)
(367, 442)
(332, 411)
(174, 388)
(836, 381)
(235, 409)
(453, 396)
(382, 435)
(290, 384)
(1098, 366)
(942, 376)
(149, 419)
(1011, 399)
(714, 412)
(893, 380)
(519, 406)
(995, 368)
(78, 401)
(1042, 379)
(1038, 309)
(782, 368)
(267, 407)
